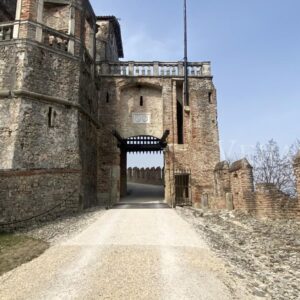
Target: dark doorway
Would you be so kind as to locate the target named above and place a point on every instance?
(183, 189)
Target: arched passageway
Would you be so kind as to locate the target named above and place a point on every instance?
(140, 184)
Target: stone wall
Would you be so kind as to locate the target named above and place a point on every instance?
(31, 196)
(106, 42)
(137, 100)
(152, 176)
(56, 16)
(10, 67)
(30, 141)
(48, 128)
(234, 189)
(38, 133)
(108, 166)
(29, 10)
(58, 72)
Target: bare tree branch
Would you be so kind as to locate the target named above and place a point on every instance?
(270, 166)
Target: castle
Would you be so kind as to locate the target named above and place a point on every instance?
(70, 111)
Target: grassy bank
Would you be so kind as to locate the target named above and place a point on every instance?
(18, 249)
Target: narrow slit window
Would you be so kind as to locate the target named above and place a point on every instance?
(107, 97)
(51, 117)
(141, 101)
(210, 97)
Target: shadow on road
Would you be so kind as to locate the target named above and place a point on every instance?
(143, 196)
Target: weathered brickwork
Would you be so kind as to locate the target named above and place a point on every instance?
(121, 98)
(222, 197)
(272, 203)
(56, 16)
(242, 186)
(107, 39)
(24, 194)
(29, 10)
(148, 176)
(235, 190)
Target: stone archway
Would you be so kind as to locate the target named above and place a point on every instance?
(141, 143)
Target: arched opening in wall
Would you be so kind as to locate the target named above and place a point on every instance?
(145, 178)
(142, 172)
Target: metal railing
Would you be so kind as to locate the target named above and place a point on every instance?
(173, 69)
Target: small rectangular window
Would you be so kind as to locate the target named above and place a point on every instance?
(141, 101)
(107, 97)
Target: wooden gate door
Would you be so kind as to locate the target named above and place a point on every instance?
(183, 195)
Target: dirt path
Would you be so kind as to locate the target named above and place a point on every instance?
(127, 253)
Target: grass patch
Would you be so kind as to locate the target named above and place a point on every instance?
(16, 250)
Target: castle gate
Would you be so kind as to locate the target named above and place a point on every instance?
(64, 93)
(137, 144)
(142, 104)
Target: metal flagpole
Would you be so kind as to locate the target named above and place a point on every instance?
(186, 83)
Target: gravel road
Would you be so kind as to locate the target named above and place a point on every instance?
(138, 250)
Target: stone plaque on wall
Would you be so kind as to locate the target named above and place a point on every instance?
(141, 118)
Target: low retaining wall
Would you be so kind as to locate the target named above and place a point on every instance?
(28, 197)
(146, 176)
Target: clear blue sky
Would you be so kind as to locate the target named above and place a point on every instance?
(254, 47)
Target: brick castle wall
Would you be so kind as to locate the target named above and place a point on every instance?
(271, 202)
(120, 97)
(265, 201)
(242, 184)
